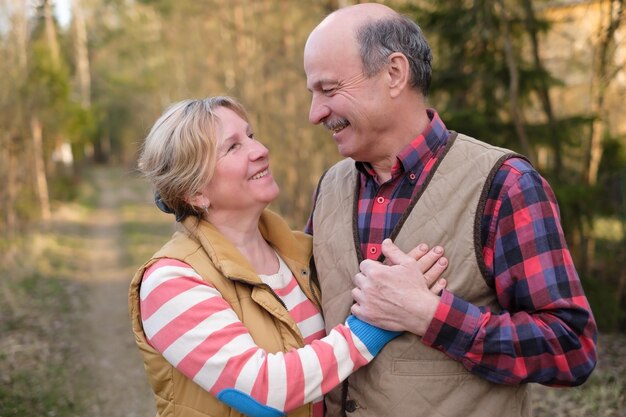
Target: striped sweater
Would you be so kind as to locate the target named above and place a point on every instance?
(196, 330)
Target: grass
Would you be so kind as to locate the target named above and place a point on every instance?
(40, 304)
(35, 349)
(604, 393)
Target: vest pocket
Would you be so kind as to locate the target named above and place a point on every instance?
(427, 367)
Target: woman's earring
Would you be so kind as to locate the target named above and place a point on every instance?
(206, 209)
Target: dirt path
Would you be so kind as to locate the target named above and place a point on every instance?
(116, 384)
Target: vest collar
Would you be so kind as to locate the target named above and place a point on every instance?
(227, 258)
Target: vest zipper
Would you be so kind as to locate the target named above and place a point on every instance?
(280, 300)
(314, 294)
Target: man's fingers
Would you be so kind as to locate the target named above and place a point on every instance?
(435, 271)
(427, 261)
(418, 251)
(366, 266)
(394, 253)
(438, 286)
(358, 279)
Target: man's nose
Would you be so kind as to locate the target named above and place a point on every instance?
(319, 109)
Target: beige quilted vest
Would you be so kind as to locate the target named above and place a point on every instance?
(220, 263)
(408, 378)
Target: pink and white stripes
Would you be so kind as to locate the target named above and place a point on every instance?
(188, 321)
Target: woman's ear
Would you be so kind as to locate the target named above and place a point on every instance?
(398, 71)
(199, 200)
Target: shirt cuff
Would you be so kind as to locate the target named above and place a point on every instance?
(454, 326)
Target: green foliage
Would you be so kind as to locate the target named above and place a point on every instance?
(25, 206)
(471, 90)
(81, 124)
(609, 314)
(470, 76)
(63, 187)
(20, 398)
(578, 203)
(33, 366)
(47, 88)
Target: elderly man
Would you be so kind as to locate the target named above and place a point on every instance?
(513, 311)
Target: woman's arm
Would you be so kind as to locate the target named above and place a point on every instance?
(196, 330)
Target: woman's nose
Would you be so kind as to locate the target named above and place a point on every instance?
(258, 151)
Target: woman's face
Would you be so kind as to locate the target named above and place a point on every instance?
(242, 180)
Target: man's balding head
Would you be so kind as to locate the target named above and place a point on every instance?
(373, 32)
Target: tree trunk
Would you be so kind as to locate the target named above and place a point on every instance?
(601, 78)
(51, 34)
(15, 70)
(82, 55)
(516, 112)
(41, 182)
(620, 293)
(12, 186)
(20, 28)
(544, 96)
(83, 71)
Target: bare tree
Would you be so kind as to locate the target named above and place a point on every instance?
(51, 34)
(13, 65)
(517, 115)
(543, 90)
(81, 51)
(41, 181)
(36, 124)
(604, 71)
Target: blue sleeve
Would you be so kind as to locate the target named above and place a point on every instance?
(247, 405)
(374, 338)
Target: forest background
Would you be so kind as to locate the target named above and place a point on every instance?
(80, 86)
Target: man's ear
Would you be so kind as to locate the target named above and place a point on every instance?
(398, 71)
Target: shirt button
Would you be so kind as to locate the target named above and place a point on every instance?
(350, 406)
(380, 200)
(372, 250)
(412, 176)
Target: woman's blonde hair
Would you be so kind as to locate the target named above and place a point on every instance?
(178, 155)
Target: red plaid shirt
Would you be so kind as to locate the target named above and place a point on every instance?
(545, 331)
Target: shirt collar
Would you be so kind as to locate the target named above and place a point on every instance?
(414, 156)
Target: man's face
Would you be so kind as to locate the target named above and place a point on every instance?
(344, 100)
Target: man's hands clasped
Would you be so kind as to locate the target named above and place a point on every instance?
(402, 293)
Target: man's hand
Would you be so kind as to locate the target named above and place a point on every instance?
(397, 296)
(431, 263)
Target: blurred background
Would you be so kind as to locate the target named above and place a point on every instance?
(82, 81)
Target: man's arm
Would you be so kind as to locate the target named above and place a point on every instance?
(545, 332)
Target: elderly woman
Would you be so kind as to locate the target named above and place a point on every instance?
(226, 314)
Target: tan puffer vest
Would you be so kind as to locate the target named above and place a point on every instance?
(221, 264)
(409, 378)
